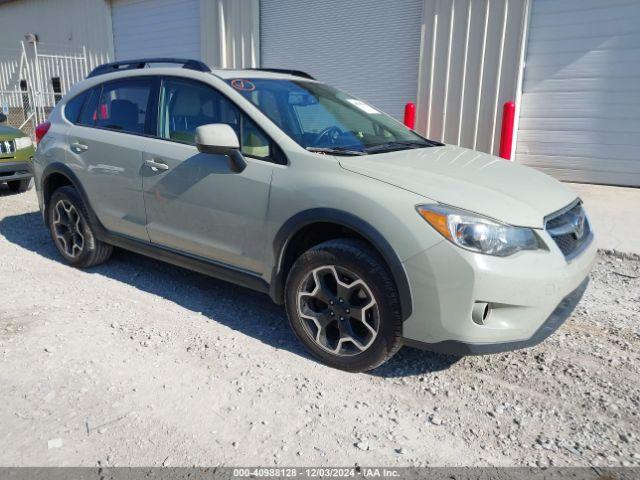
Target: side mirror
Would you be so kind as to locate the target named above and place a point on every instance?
(221, 139)
(3, 118)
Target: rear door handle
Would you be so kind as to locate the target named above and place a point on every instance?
(79, 147)
(156, 165)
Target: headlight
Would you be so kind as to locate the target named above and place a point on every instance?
(23, 142)
(476, 233)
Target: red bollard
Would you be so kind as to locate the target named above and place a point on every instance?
(410, 115)
(506, 134)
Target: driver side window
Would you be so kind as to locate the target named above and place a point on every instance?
(186, 105)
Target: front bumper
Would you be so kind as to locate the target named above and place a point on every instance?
(10, 171)
(551, 324)
(531, 294)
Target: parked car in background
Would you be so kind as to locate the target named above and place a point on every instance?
(370, 235)
(16, 156)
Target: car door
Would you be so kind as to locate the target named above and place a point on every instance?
(106, 145)
(195, 202)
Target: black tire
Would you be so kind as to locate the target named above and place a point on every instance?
(19, 186)
(357, 257)
(93, 251)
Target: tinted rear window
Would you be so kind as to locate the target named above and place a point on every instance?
(120, 106)
(74, 106)
(89, 109)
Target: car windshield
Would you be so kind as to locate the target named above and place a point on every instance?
(326, 120)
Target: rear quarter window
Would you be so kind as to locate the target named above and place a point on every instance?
(74, 106)
(88, 111)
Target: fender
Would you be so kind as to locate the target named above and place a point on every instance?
(345, 219)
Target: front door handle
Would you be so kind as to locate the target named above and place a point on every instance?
(78, 147)
(155, 165)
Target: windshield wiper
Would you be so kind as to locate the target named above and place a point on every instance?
(335, 151)
(393, 146)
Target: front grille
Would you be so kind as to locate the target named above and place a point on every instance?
(7, 147)
(569, 228)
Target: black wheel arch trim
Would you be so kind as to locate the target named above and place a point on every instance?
(66, 171)
(339, 217)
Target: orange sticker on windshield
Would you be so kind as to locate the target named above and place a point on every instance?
(244, 85)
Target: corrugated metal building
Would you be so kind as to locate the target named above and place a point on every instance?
(220, 32)
(580, 108)
(571, 66)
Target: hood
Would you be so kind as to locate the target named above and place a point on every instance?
(9, 133)
(471, 180)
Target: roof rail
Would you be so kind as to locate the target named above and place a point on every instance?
(295, 73)
(143, 62)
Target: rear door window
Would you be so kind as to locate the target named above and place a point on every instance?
(121, 106)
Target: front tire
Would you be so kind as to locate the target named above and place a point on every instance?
(71, 232)
(343, 305)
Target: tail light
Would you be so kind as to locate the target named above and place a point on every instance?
(41, 131)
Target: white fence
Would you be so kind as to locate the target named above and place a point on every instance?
(35, 76)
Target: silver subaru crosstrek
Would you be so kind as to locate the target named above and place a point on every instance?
(370, 235)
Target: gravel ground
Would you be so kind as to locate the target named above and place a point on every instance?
(140, 363)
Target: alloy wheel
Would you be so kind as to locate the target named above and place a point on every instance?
(338, 310)
(68, 228)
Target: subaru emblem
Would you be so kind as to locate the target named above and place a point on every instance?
(578, 225)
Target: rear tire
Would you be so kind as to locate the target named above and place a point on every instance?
(19, 186)
(71, 232)
(343, 305)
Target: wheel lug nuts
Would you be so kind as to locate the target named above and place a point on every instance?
(330, 302)
(348, 311)
(332, 314)
(342, 318)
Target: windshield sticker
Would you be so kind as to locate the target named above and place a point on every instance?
(362, 106)
(243, 85)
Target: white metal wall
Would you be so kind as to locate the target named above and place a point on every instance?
(580, 114)
(156, 28)
(469, 66)
(368, 48)
(61, 25)
(230, 33)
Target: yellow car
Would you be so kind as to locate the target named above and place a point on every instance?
(16, 156)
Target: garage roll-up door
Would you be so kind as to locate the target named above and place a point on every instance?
(580, 112)
(370, 48)
(156, 28)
